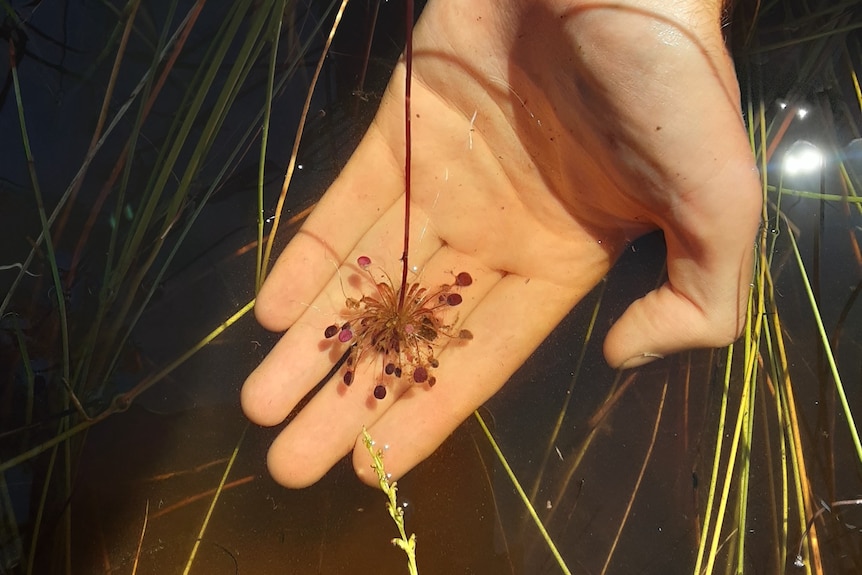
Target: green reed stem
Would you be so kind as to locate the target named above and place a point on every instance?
(129, 13)
(12, 550)
(275, 35)
(64, 327)
(123, 401)
(637, 485)
(744, 476)
(132, 248)
(109, 290)
(43, 498)
(728, 476)
(753, 327)
(797, 466)
(529, 506)
(243, 65)
(804, 39)
(716, 462)
(46, 227)
(215, 499)
(856, 200)
(852, 196)
(827, 348)
(791, 430)
(594, 424)
(291, 165)
(175, 249)
(150, 87)
(178, 136)
(777, 364)
(67, 511)
(28, 371)
(782, 519)
(561, 415)
(72, 185)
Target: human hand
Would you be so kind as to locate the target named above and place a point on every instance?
(546, 136)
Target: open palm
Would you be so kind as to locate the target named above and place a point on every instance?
(545, 138)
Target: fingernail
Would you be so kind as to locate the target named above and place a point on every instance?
(641, 359)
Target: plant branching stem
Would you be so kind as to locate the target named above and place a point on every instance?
(406, 544)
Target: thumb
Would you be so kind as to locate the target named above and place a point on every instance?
(703, 303)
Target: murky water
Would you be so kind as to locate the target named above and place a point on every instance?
(613, 494)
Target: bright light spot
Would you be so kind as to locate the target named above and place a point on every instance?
(801, 112)
(782, 105)
(802, 158)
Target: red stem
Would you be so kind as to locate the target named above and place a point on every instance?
(408, 57)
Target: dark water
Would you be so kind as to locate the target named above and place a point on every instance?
(170, 449)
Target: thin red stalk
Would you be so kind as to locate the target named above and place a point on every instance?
(408, 57)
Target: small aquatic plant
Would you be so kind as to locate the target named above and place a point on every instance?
(403, 325)
(406, 544)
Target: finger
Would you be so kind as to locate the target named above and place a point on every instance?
(709, 261)
(303, 356)
(508, 325)
(370, 183)
(326, 428)
(300, 359)
(323, 431)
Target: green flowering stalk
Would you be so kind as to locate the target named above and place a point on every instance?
(408, 545)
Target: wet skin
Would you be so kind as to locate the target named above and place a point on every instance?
(546, 136)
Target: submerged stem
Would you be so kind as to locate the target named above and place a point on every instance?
(406, 544)
(408, 60)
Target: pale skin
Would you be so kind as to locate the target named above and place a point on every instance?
(547, 135)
